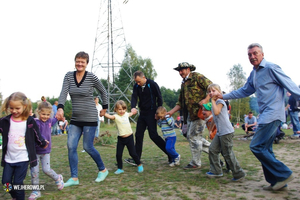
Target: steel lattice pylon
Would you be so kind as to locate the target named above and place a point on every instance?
(109, 50)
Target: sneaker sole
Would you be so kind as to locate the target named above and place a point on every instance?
(130, 163)
(214, 175)
(239, 180)
(186, 168)
(269, 188)
(281, 184)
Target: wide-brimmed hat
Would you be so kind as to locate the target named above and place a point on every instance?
(185, 65)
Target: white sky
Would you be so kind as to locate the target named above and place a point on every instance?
(39, 39)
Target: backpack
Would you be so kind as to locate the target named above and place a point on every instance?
(297, 105)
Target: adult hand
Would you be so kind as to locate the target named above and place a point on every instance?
(59, 114)
(219, 96)
(134, 111)
(102, 112)
(203, 101)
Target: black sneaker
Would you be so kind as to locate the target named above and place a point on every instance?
(189, 166)
(130, 161)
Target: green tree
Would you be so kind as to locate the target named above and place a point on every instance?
(237, 79)
(131, 63)
(170, 97)
(1, 100)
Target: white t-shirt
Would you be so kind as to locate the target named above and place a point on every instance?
(16, 148)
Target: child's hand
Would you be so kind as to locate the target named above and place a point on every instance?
(210, 135)
(214, 98)
(47, 143)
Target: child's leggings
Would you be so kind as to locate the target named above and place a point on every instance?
(45, 161)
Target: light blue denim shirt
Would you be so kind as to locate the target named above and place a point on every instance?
(268, 81)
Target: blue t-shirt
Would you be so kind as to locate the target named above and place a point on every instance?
(250, 121)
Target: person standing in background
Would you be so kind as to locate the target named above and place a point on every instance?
(54, 127)
(100, 119)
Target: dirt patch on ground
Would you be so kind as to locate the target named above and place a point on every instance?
(251, 187)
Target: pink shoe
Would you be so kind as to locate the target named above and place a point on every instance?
(34, 195)
(60, 182)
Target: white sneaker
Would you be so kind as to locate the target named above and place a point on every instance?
(172, 164)
(177, 160)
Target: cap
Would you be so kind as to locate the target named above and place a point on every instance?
(185, 65)
(207, 106)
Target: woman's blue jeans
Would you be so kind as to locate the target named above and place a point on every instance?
(261, 146)
(74, 136)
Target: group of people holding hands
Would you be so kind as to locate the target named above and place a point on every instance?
(201, 102)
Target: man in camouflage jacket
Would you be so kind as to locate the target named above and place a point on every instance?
(192, 95)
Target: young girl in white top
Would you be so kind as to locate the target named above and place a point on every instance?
(44, 122)
(20, 135)
(222, 141)
(125, 136)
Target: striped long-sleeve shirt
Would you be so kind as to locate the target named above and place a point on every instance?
(167, 127)
(84, 111)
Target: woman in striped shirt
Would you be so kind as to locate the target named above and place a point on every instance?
(80, 85)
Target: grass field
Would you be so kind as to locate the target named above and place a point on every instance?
(159, 181)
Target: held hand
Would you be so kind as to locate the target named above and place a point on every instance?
(102, 112)
(47, 143)
(60, 114)
(134, 111)
(203, 101)
(219, 96)
(169, 114)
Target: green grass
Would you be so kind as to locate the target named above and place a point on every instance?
(158, 181)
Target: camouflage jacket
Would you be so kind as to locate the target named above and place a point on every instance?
(193, 90)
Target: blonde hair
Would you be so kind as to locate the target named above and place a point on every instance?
(214, 86)
(44, 105)
(120, 103)
(17, 96)
(161, 112)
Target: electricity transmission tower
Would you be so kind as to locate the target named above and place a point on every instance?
(109, 51)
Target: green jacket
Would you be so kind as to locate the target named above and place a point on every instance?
(193, 90)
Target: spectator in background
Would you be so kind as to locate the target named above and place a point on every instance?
(54, 127)
(293, 111)
(177, 123)
(100, 119)
(250, 123)
(63, 126)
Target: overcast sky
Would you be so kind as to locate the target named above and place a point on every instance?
(39, 39)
